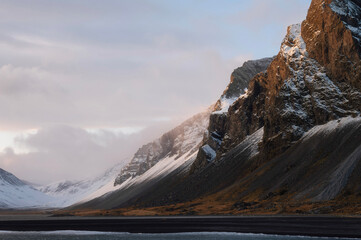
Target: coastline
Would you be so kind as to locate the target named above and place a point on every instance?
(325, 226)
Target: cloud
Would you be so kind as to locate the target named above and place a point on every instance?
(64, 152)
(67, 66)
(20, 80)
(123, 63)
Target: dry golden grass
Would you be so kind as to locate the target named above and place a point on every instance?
(209, 206)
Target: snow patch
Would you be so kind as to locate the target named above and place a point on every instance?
(66, 193)
(181, 142)
(225, 104)
(293, 45)
(211, 154)
(160, 170)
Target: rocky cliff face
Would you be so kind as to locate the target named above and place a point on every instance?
(309, 84)
(241, 77)
(332, 32)
(314, 79)
(301, 96)
(237, 87)
(181, 140)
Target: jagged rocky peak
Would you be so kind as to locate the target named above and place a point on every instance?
(332, 32)
(305, 95)
(182, 140)
(320, 79)
(315, 78)
(238, 85)
(237, 88)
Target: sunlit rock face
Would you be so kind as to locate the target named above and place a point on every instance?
(317, 74)
(292, 135)
(332, 32)
(305, 95)
(315, 78)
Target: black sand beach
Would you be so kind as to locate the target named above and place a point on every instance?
(306, 226)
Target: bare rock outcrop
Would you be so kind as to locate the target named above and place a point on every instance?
(240, 79)
(315, 78)
(332, 32)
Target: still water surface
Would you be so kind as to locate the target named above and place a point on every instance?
(81, 235)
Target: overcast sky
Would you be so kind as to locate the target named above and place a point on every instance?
(84, 82)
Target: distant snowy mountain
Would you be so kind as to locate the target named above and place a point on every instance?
(67, 193)
(15, 193)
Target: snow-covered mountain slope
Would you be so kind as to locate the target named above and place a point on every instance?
(166, 154)
(66, 193)
(169, 180)
(182, 141)
(149, 184)
(170, 155)
(14, 193)
(162, 169)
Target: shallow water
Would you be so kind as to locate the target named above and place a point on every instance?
(83, 235)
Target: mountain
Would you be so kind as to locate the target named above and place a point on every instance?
(66, 193)
(190, 133)
(237, 87)
(289, 143)
(299, 90)
(172, 155)
(14, 193)
(180, 142)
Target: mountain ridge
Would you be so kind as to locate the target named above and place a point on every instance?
(16, 194)
(313, 83)
(283, 138)
(175, 142)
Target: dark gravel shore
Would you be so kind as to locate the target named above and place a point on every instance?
(307, 226)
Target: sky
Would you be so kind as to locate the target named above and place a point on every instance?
(83, 84)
